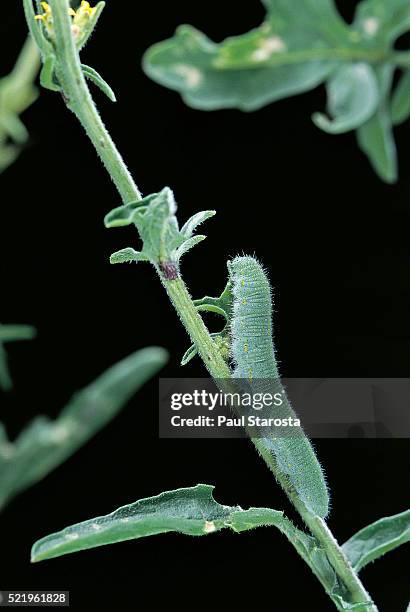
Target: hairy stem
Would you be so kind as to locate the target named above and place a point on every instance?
(196, 328)
(218, 369)
(337, 558)
(79, 100)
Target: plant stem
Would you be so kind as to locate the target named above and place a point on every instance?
(335, 554)
(79, 100)
(193, 323)
(284, 58)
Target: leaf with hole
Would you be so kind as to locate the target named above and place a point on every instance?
(246, 74)
(190, 511)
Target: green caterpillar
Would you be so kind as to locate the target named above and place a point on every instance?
(253, 356)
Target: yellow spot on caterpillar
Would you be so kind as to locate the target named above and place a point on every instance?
(246, 347)
(244, 301)
(209, 527)
(242, 283)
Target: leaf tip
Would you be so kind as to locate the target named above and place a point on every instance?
(35, 555)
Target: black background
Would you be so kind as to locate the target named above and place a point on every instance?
(335, 242)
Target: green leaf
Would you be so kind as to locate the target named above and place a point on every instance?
(235, 74)
(16, 95)
(379, 22)
(353, 98)
(195, 221)
(124, 215)
(291, 52)
(377, 539)
(400, 106)
(189, 355)
(190, 511)
(319, 16)
(126, 256)
(97, 79)
(220, 338)
(45, 444)
(187, 246)
(221, 305)
(14, 333)
(299, 46)
(375, 137)
(14, 128)
(155, 219)
(47, 74)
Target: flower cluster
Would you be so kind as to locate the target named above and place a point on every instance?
(81, 18)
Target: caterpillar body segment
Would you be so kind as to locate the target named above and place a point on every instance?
(288, 451)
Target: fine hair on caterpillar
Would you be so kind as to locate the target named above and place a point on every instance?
(254, 363)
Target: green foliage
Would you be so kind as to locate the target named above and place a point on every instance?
(299, 46)
(11, 333)
(400, 105)
(17, 94)
(43, 32)
(292, 457)
(45, 444)
(190, 511)
(164, 243)
(97, 79)
(376, 539)
(352, 99)
(211, 77)
(221, 306)
(375, 137)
